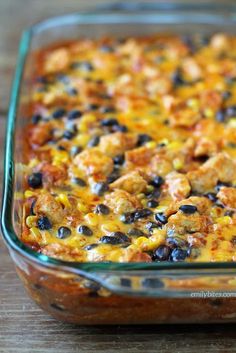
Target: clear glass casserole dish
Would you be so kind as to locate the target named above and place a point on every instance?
(112, 293)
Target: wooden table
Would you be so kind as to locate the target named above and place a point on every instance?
(23, 326)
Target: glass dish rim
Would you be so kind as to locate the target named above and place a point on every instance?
(9, 235)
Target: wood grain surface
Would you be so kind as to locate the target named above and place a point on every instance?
(24, 328)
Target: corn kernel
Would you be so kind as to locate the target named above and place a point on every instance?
(151, 144)
(232, 122)
(62, 198)
(109, 227)
(140, 196)
(29, 193)
(150, 188)
(82, 207)
(92, 219)
(193, 103)
(175, 145)
(163, 142)
(224, 220)
(178, 164)
(35, 232)
(141, 241)
(208, 113)
(161, 209)
(31, 221)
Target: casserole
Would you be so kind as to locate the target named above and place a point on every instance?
(110, 293)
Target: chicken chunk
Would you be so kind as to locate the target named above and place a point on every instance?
(203, 205)
(202, 180)
(94, 162)
(191, 68)
(224, 166)
(184, 117)
(52, 174)
(57, 60)
(205, 147)
(160, 165)
(132, 182)
(46, 205)
(211, 99)
(178, 185)
(120, 201)
(227, 196)
(182, 223)
(40, 134)
(220, 42)
(139, 157)
(117, 143)
(63, 252)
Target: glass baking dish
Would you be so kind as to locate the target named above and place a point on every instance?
(112, 293)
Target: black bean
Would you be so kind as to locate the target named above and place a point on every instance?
(119, 159)
(188, 209)
(85, 230)
(36, 119)
(86, 66)
(102, 209)
(72, 91)
(189, 42)
(115, 238)
(160, 217)
(220, 184)
(107, 109)
(127, 217)
(135, 232)
(231, 111)
(143, 138)
(91, 246)
(178, 255)
(94, 141)
(157, 181)
(106, 48)
(32, 207)
(125, 282)
(162, 253)
(99, 188)
(120, 128)
(79, 181)
(152, 203)
(142, 213)
(151, 225)
(43, 223)
(63, 232)
(68, 135)
(63, 78)
(74, 114)
(113, 176)
(176, 242)
(109, 122)
(35, 180)
(221, 116)
(226, 95)
(177, 78)
(152, 283)
(61, 148)
(211, 196)
(75, 150)
(155, 194)
(229, 213)
(59, 113)
(92, 106)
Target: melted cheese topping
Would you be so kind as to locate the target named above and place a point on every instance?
(131, 150)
